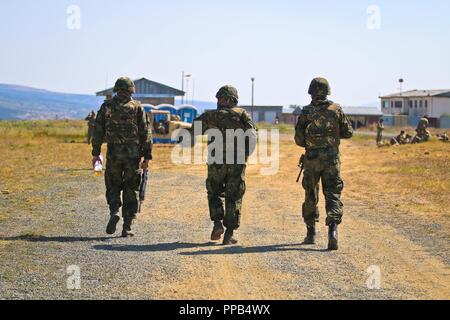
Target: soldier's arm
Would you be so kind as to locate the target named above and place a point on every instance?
(145, 134)
(345, 126)
(300, 131)
(248, 122)
(251, 129)
(99, 132)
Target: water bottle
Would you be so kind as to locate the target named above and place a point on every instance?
(98, 168)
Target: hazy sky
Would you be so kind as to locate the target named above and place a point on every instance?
(283, 43)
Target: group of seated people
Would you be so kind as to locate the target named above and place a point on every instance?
(422, 134)
(402, 138)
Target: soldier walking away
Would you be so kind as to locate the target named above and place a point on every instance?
(91, 126)
(226, 179)
(320, 127)
(380, 129)
(123, 124)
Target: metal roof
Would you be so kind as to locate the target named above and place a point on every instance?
(350, 111)
(149, 89)
(419, 94)
(361, 111)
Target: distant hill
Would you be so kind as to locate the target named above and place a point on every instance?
(24, 103)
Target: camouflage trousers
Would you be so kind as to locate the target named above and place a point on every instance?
(226, 183)
(122, 179)
(379, 137)
(90, 134)
(324, 166)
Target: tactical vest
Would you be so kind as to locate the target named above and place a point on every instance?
(225, 119)
(228, 119)
(323, 128)
(121, 124)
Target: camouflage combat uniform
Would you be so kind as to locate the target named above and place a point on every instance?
(423, 134)
(320, 127)
(380, 129)
(123, 125)
(226, 180)
(91, 126)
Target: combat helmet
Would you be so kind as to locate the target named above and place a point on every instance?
(124, 84)
(228, 92)
(319, 87)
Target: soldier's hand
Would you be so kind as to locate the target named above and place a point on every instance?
(95, 160)
(144, 164)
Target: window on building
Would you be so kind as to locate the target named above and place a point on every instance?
(392, 104)
(415, 103)
(398, 104)
(385, 104)
(421, 103)
(426, 103)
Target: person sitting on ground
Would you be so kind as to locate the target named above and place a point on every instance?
(443, 137)
(402, 138)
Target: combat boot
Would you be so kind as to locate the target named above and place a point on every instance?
(333, 237)
(311, 235)
(218, 231)
(126, 232)
(228, 239)
(112, 224)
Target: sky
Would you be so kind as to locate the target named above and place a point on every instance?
(362, 47)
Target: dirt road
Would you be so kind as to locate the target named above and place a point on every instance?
(172, 258)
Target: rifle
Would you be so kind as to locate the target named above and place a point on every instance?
(143, 188)
(301, 165)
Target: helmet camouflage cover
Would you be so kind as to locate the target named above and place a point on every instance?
(228, 92)
(124, 84)
(319, 87)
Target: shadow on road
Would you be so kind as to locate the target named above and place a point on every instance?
(35, 238)
(154, 247)
(258, 249)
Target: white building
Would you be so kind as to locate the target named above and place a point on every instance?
(417, 103)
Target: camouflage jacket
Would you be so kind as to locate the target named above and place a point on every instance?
(224, 119)
(91, 120)
(123, 123)
(380, 127)
(322, 126)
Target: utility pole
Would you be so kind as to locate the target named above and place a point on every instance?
(182, 87)
(193, 91)
(401, 81)
(253, 94)
(185, 77)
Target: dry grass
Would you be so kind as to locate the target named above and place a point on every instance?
(34, 155)
(412, 178)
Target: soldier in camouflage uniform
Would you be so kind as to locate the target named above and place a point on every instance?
(402, 138)
(380, 129)
(91, 126)
(320, 127)
(226, 179)
(123, 124)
